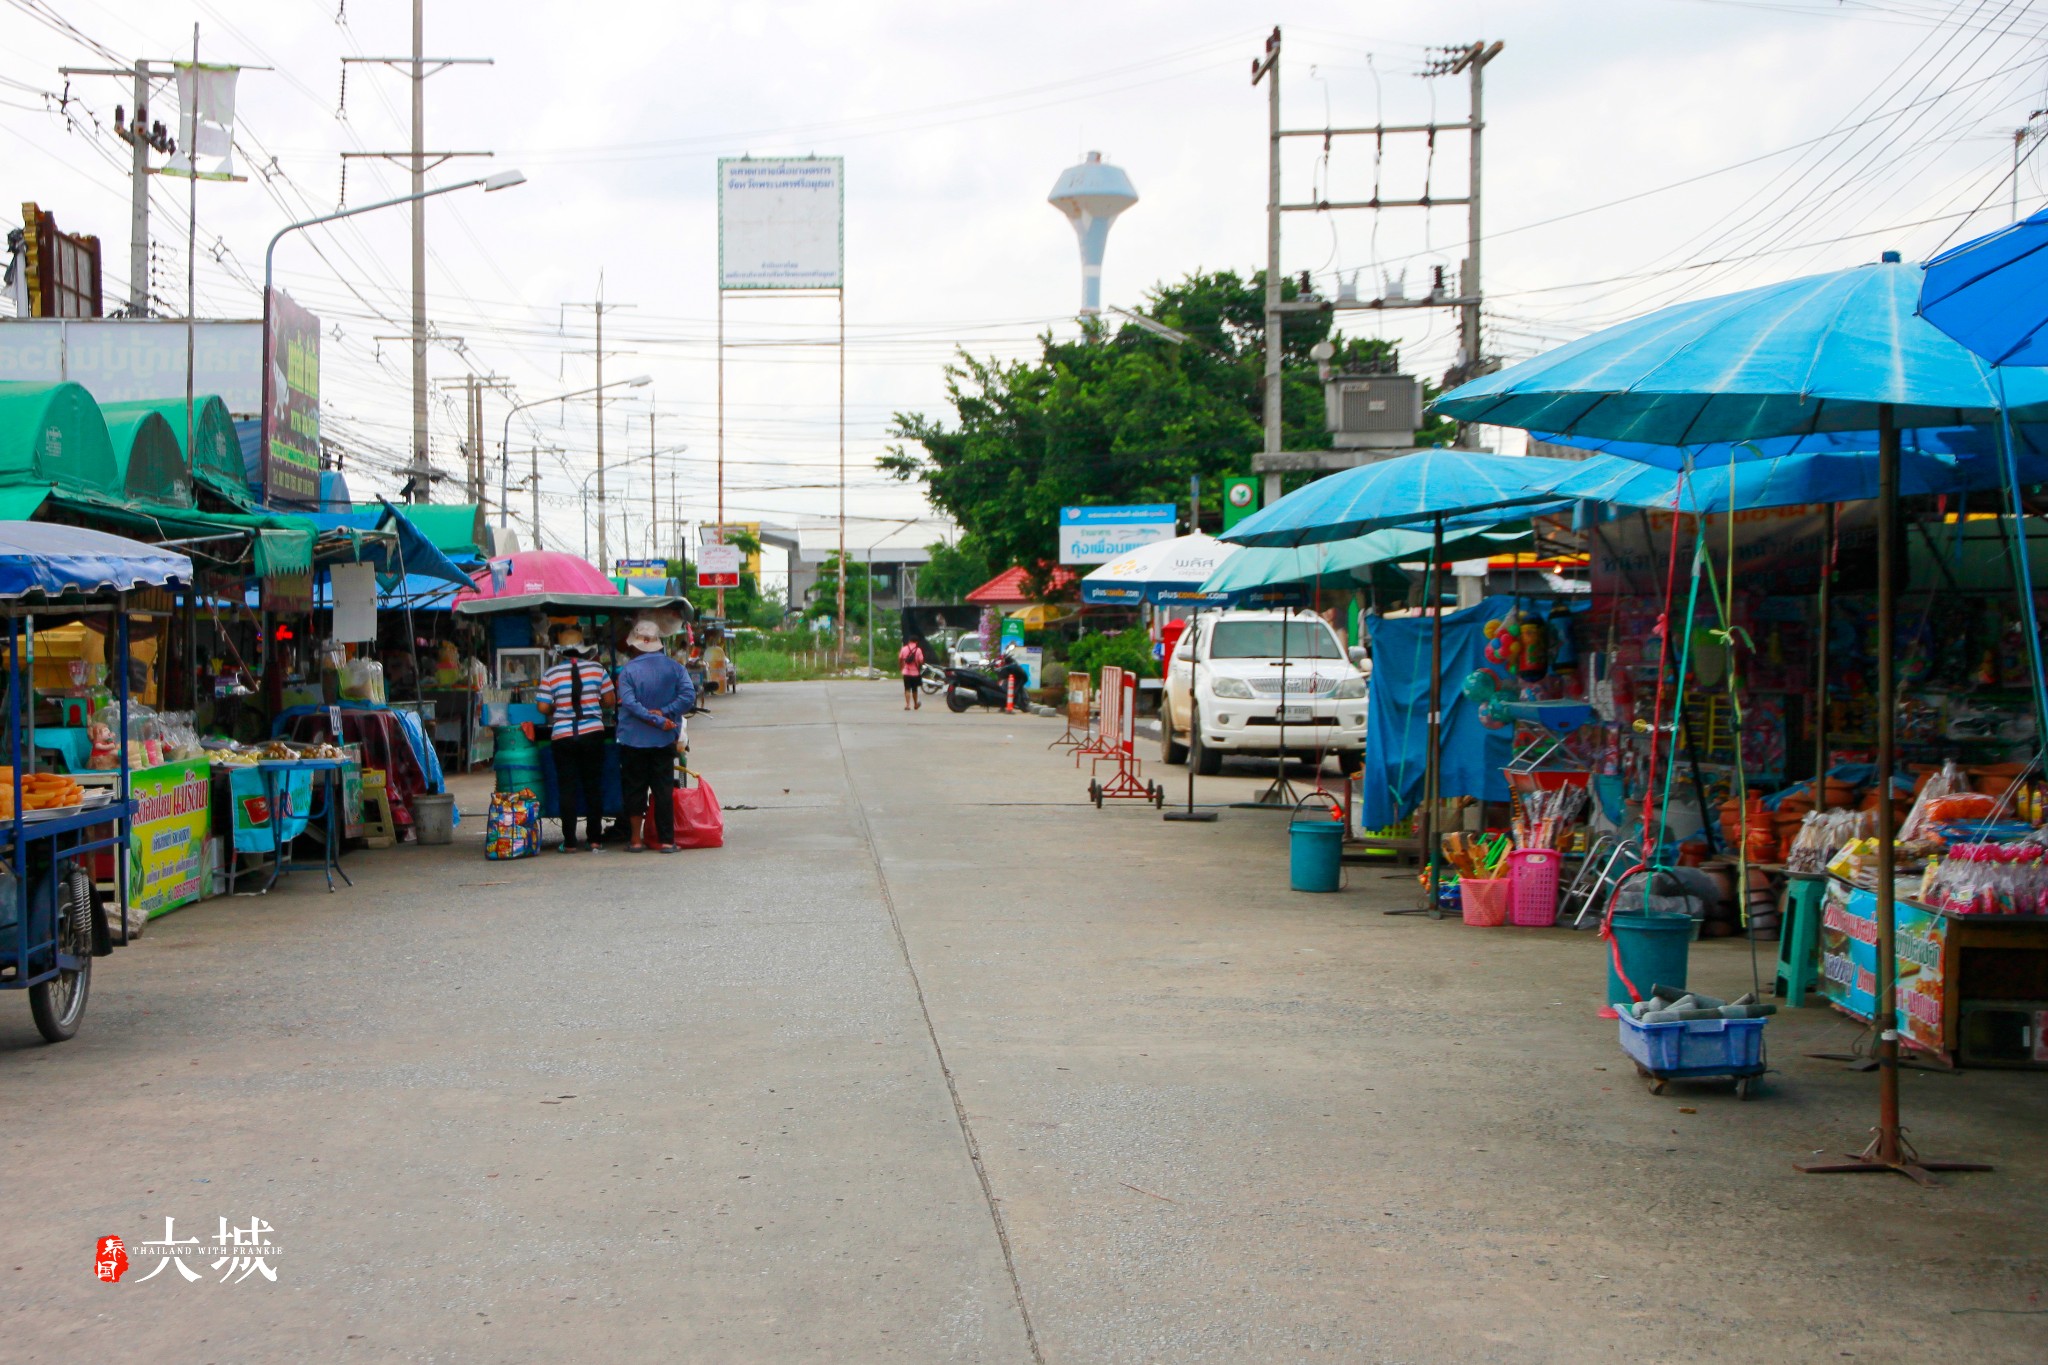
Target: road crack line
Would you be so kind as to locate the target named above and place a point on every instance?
(988, 1194)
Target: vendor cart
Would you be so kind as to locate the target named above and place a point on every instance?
(53, 921)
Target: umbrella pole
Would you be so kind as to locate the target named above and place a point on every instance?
(1433, 778)
(1820, 653)
(1889, 1150)
(1190, 815)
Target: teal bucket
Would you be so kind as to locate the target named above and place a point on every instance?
(1315, 855)
(1653, 950)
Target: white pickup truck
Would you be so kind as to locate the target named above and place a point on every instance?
(1251, 669)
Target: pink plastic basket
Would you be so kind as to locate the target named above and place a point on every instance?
(1532, 880)
(1484, 900)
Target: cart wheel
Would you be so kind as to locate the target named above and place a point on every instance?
(59, 1003)
(1158, 797)
(1657, 1085)
(1744, 1087)
(1095, 793)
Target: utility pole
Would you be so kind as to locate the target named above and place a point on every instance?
(476, 461)
(1469, 60)
(418, 67)
(1267, 69)
(653, 487)
(142, 136)
(598, 308)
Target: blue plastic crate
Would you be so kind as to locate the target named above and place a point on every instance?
(1696, 1047)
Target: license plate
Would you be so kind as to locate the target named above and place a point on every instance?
(1297, 715)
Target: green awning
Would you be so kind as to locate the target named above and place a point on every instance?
(147, 459)
(217, 462)
(20, 502)
(54, 434)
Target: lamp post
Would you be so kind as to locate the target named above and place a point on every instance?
(583, 489)
(505, 439)
(503, 180)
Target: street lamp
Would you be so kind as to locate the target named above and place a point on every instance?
(503, 180)
(638, 381)
(583, 489)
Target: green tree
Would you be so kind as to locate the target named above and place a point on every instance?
(954, 571)
(1116, 415)
(823, 598)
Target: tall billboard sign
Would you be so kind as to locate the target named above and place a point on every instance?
(1096, 535)
(291, 406)
(781, 223)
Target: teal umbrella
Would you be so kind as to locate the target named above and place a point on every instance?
(1340, 565)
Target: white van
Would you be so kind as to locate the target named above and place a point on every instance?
(1253, 665)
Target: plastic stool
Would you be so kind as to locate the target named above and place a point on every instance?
(1799, 937)
(379, 830)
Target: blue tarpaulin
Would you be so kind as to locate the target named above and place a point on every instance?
(419, 555)
(45, 558)
(1397, 732)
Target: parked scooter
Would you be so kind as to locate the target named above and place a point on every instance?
(997, 687)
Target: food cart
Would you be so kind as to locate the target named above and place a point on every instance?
(53, 921)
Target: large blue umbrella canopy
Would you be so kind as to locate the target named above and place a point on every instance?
(1782, 481)
(1821, 353)
(1960, 444)
(1407, 490)
(1347, 564)
(1989, 294)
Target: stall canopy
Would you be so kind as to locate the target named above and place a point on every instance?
(51, 436)
(1348, 564)
(1786, 481)
(406, 550)
(572, 604)
(455, 529)
(215, 464)
(42, 560)
(538, 571)
(149, 466)
(1457, 487)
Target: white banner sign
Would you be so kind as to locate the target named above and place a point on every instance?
(781, 223)
(718, 566)
(1097, 535)
(127, 360)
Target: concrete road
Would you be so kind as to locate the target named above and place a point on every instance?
(934, 1062)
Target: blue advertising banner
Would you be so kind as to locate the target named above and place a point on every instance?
(1097, 535)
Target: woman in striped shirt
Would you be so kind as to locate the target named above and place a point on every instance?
(573, 697)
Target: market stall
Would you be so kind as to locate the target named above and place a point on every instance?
(53, 921)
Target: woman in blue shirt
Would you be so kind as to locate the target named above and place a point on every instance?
(655, 693)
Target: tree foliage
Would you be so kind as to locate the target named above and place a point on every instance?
(954, 570)
(1117, 415)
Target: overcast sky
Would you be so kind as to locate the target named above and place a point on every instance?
(1637, 152)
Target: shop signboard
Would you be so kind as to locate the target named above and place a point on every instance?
(288, 594)
(640, 568)
(170, 861)
(1097, 535)
(1240, 500)
(1848, 971)
(781, 222)
(712, 533)
(1013, 634)
(131, 360)
(291, 406)
(718, 566)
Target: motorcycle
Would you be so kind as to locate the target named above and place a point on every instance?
(967, 687)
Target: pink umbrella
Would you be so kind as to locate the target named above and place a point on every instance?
(541, 571)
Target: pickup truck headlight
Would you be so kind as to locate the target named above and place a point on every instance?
(1350, 689)
(1235, 688)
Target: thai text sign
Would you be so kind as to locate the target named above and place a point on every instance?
(1097, 535)
(132, 360)
(1848, 967)
(291, 406)
(169, 864)
(718, 566)
(781, 223)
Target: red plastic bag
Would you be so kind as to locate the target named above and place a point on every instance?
(699, 821)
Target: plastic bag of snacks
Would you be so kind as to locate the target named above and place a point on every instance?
(512, 825)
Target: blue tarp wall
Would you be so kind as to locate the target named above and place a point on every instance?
(1397, 731)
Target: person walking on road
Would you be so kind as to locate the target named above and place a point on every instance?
(655, 693)
(573, 695)
(911, 659)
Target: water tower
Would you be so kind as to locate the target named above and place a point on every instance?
(1092, 194)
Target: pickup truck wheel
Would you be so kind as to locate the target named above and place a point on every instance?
(1170, 749)
(1208, 762)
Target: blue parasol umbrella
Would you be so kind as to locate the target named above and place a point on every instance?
(1342, 564)
(1779, 481)
(1429, 487)
(1986, 293)
(1845, 351)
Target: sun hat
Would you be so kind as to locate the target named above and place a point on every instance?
(570, 642)
(645, 639)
